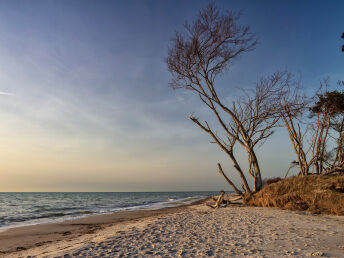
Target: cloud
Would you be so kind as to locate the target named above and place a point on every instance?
(6, 93)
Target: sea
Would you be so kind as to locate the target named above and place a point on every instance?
(22, 209)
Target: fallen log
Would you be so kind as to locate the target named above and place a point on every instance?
(235, 199)
(220, 202)
(220, 199)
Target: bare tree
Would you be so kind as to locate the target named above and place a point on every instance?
(197, 56)
(292, 108)
(337, 124)
(311, 122)
(328, 110)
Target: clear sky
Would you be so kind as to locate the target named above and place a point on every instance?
(84, 97)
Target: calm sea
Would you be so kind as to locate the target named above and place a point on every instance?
(19, 209)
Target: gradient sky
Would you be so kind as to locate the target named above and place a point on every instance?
(84, 97)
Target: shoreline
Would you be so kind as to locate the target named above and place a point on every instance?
(192, 230)
(24, 238)
(151, 206)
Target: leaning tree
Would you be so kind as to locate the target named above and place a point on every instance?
(196, 57)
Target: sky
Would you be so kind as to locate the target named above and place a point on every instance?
(84, 97)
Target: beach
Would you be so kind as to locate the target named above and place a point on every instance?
(192, 230)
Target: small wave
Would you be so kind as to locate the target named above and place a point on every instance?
(41, 213)
(44, 219)
(49, 215)
(44, 209)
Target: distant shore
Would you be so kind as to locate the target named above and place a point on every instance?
(191, 230)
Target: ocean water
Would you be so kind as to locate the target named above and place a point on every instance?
(20, 209)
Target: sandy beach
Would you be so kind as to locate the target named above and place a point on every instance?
(194, 230)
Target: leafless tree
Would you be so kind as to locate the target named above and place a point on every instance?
(311, 122)
(328, 111)
(204, 50)
(293, 105)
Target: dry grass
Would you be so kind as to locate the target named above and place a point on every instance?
(272, 180)
(317, 194)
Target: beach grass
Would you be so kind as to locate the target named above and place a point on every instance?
(317, 194)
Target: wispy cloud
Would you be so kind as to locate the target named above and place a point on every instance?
(6, 93)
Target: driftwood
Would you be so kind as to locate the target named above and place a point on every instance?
(221, 202)
(235, 199)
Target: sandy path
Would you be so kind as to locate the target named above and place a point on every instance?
(235, 231)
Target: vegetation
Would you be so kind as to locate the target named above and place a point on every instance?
(317, 194)
(197, 57)
(315, 125)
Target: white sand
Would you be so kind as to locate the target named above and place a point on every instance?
(200, 231)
